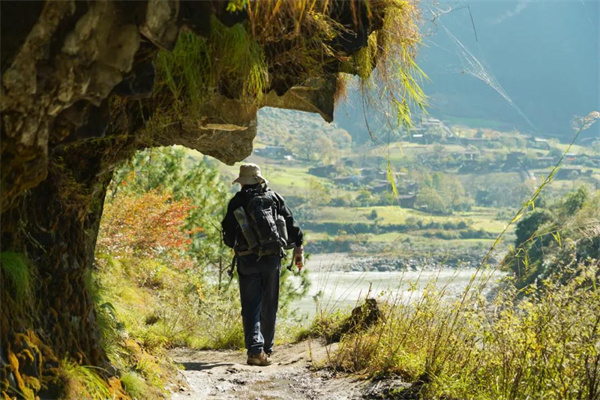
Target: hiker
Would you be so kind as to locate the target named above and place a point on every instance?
(258, 226)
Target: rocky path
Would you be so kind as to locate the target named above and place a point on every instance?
(224, 375)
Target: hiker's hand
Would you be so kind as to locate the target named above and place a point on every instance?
(299, 258)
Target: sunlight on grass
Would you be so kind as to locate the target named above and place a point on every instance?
(458, 350)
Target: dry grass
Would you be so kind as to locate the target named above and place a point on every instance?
(286, 43)
(544, 346)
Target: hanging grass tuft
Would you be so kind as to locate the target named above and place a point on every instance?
(229, 61)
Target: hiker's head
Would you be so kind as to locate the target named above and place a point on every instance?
(250, 175)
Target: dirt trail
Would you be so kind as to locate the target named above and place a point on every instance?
(225, 375)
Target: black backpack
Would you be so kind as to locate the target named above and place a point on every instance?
(263, 230)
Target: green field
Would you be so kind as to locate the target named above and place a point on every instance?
(478, 218)
(416, 230)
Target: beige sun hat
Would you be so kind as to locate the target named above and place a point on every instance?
(249, 175)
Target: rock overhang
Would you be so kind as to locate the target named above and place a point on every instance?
(57, 86)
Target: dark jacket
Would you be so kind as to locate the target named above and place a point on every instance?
(232, 230)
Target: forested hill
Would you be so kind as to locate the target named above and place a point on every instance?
(542, 56)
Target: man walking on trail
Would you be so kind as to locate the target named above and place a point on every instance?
(258, 226)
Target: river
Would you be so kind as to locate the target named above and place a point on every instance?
(338, 289)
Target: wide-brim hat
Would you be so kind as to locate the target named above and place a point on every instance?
(249, 175)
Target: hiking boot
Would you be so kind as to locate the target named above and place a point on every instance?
(259, 359)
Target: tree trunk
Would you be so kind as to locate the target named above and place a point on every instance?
(55, 227)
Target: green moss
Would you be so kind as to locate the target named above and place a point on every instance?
(241, 58)
(16, 270)
(134, 385)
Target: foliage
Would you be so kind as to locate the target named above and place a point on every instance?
(292, 289)
(500, 191)
(160, 267)
(164, 307)
(553, 238)
(364, 198)
(392, 50)
(196, 189)
(319, 193)
(148, 225)
(573, 202)
(430, 200)
(190, 72)
(528, 225)
(441, 193)
(255, 57)
(134, 384)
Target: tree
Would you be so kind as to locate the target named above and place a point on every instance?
(364, 198)
(555, 239)
(450, 190)
(320, 193)
(530, 224)
(148, 225)
(429, 199)
(165, 170)
(573, 201)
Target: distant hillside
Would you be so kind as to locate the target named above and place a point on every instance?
(529, 66)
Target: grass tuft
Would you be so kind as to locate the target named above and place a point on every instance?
(229, 61)
(82, 382)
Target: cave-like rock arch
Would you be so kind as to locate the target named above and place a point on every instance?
(79, 94)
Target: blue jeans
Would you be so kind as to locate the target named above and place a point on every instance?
(259, 293)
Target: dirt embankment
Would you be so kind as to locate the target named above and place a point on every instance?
(225, 375)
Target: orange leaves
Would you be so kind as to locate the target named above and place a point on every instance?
(149, 224)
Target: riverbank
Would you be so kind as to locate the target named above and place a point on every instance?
(340, 281)
(352, 263)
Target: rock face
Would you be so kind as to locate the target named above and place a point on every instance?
(77, 94)
(77, 55)
(71, 60)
